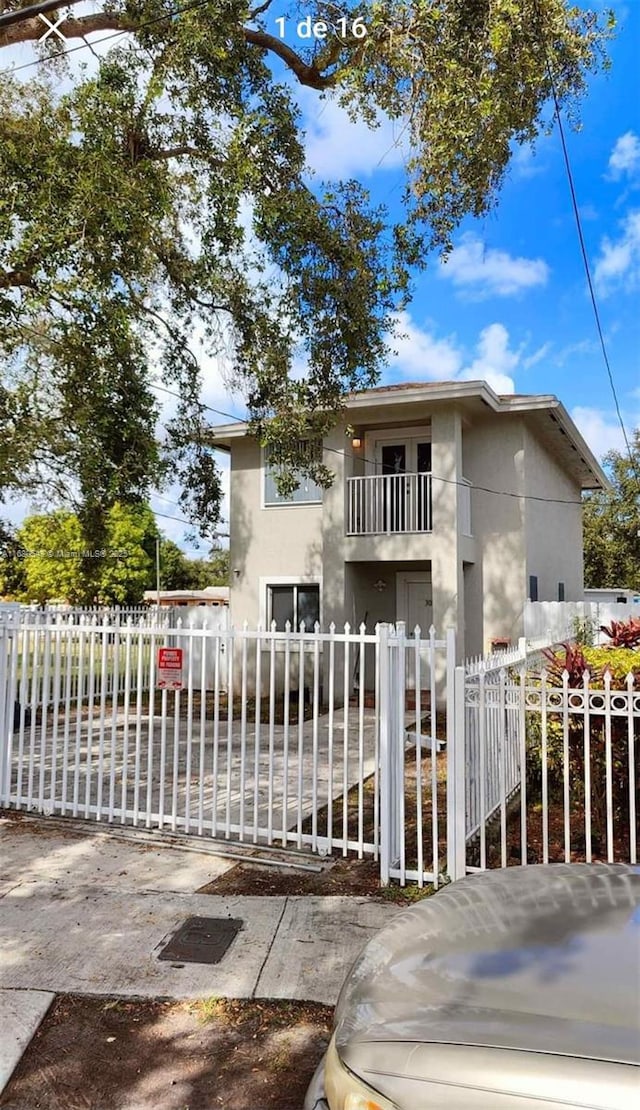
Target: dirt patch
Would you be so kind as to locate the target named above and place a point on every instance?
(359, 878)
(536, 841)
(110, 1054)
(345, 876)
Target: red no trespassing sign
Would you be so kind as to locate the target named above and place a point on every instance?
(169, 669)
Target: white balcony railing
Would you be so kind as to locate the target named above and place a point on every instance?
(379, 504)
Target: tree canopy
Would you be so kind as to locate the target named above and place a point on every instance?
(157, 209)
(612, 524)
(177, 572)
(48, 559)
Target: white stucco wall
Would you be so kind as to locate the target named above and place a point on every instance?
(265, 542)
(493, 457)
(553, 531)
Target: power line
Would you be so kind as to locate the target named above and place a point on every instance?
(180, 520)
(176, 504)
(434, 477)
(350, 454)
(373, 462)
(458, 482)
(210, 408)
(581, 240)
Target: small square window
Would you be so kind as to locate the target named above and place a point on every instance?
(308, 492)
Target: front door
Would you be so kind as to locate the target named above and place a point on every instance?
(393, 462)
(414, 601)
(406, 502)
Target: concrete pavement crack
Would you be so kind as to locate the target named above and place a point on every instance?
(4, 893)
(273, 940)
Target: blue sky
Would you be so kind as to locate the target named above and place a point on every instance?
(511, 304)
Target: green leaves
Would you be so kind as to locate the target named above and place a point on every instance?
(54, 552)
(611, 524)
(165, 194)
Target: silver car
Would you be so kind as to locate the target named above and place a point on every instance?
(507, 990)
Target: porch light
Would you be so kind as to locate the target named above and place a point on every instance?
(380, 585)
(356, 442)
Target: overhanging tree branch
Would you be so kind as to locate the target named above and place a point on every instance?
(306, 74)
(31, 30)
(15, 279)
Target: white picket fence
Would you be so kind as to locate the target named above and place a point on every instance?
(12, 614)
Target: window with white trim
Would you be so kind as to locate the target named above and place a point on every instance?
(294, 603)
(308, 492)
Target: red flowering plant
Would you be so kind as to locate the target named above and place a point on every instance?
(623, 634)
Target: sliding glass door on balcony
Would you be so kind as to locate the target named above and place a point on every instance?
(397, 498)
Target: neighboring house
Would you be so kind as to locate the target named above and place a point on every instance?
(613, 595)
(451, 505)
(211, 595)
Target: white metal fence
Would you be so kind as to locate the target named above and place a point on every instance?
(321, 740)
(492, 730)
(413, 731)
(326, 741)
(548, 771)
(58, 614)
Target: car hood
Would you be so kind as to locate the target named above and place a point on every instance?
(416, 1076)
(541, 959)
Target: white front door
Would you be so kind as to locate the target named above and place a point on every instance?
(414, 601)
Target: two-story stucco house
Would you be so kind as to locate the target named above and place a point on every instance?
(451, 505)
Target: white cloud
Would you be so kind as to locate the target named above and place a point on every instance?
(523, 162)
(537, 356)
(618, 265)
(494, 362)
(583, 348)
(421, 356)
(485, 272)
(601, 431)
(339, 148)
(625, 156)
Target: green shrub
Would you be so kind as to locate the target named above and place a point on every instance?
(583, 631)
(574, 659)
(618, 661)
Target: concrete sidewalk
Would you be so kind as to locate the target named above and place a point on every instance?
(88, 914)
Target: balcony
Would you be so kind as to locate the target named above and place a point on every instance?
(386, 504)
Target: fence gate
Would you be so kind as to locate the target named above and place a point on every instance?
(350, 741)
(324, 741)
